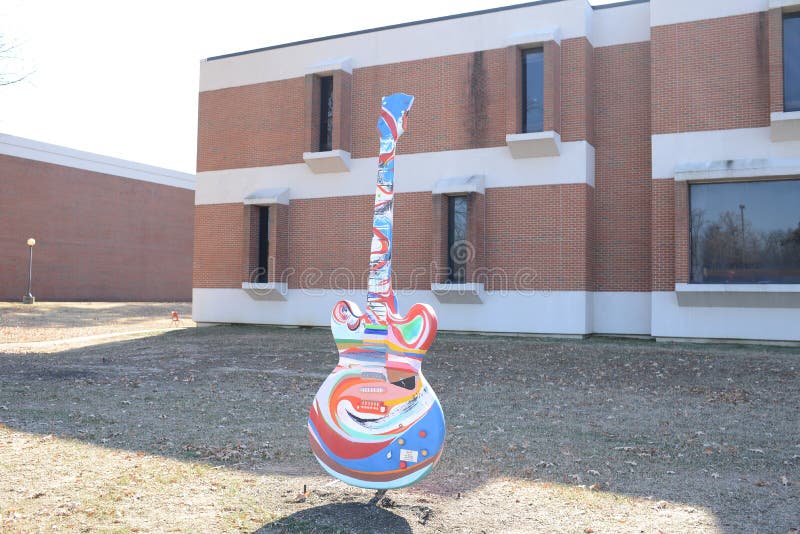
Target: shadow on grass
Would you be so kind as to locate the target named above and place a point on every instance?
(717, 426)
(343, 517)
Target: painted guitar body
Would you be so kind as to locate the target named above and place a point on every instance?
(375, 421)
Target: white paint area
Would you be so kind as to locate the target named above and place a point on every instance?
(669, 151)
(618, 312)
(573, 18)
(739, 295)
(58, 155)
(415, 172)
(557, 312)
(343, 64)
(672, 320)
(663, 12)
(620, 25)
(535, 37)
(732, 169)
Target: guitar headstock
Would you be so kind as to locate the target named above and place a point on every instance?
(394, 115)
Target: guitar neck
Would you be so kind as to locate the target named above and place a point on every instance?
(381, 299)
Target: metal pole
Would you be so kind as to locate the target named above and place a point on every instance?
(30, 272)
(741, 211)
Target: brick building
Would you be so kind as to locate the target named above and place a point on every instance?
(105, 228)
(630, 169)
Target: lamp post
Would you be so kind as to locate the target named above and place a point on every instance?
(29, 298)
(741, 212)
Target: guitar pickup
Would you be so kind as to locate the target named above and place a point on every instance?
(371, 406)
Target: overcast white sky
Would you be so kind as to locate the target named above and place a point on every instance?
(120, 78)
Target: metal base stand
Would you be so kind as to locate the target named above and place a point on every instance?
(377, 498)
(28, 299)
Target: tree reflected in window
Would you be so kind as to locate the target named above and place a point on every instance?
(745, 232)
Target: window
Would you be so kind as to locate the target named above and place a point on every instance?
(791, 62)
(263, 244)
(326, 114)
(532, 90)
(457, 247)
(745, 232)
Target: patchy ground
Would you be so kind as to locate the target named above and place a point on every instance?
(205, 429)
(49, 326)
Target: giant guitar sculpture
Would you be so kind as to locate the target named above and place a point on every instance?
(376, 422)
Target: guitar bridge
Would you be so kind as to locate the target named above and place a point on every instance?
(368, 406)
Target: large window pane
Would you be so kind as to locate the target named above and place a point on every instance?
(791, 62)
(457, 247)
(532, 90)
(326, 113)
(745, 232)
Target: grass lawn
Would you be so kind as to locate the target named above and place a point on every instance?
(204, 430)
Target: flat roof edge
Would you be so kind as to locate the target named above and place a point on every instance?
(25, 148)
(415, 23)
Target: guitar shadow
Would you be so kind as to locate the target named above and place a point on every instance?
(340, 517)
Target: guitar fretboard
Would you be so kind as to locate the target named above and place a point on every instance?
(380, 296)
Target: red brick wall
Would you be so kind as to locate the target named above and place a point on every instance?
(219, 244)
(682, 237)
(621, 224)
(775, 49)
(576, 90)
(336, 254)
(536, 230)
(663, 235)
(98, 237)
(538, 237)
(449, 89)
(251, 126)
(463, 103)
(710, 74)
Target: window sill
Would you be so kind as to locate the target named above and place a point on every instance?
(266, 291)
(785, 126)
(458, 293)
(739, 295)
(330, 161)
(534, 145)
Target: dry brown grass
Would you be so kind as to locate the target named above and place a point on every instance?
(204, 430)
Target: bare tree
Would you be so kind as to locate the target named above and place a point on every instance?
(9, 73)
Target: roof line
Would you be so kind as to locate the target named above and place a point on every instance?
(415, 23)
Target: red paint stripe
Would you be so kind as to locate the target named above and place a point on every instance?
(387, 117)
(341, 446)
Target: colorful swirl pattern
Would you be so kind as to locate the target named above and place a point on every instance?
(375, 421)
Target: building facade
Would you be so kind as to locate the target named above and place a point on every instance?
(632, 169)
(105, 228)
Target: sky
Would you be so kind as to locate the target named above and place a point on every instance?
(120, 78)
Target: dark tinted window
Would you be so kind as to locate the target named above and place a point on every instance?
(326, 113)
(791, 62)
(746, 232)
(263, 244)
(532, 90)
(458, 250)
